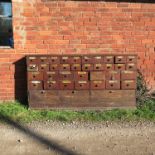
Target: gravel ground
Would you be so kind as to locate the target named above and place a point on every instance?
(78, 138)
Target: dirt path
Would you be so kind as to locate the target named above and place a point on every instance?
(52, 138)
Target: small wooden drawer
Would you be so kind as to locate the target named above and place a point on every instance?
(87, 60)
(76, 67)
(66, 85)
(35, 76)
(66, 59)
(109, 67)
(81, 85)
(128, 84)
(113, 84)
(81, 76)
(54, 59)
(131, 66)
(66, 75)
(120, 59)
(51, 76)
(128, 75)
(131, 59)
(97, 85)
(119, 67)
(32, 60)
(35, 85)
(98, 59)
(99, 67)
(64, 67)
(43, 60)
(109, 59)
(32, 67)
(54, 67)
(97, 75)
(76, 60)
(87, 67)
(51, 85)
(43, 67)
(113, 75)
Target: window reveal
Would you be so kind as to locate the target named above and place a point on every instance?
(6, 33)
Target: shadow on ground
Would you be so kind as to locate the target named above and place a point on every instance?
(52, 145)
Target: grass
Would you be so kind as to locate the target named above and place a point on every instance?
(21, 113)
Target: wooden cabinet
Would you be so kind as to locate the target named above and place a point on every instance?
(81, 81)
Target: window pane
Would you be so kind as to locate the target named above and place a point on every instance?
(5, 9)
(5, 23)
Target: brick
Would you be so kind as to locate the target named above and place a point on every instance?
(148, 41)
(28, 14)
(122, 5)
(63, 27)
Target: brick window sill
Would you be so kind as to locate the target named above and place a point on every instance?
(5, 47)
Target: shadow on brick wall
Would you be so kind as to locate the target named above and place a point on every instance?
(21, 81)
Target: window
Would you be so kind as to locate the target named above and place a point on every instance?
(6, 34)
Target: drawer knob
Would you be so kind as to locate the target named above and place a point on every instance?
(111, 85)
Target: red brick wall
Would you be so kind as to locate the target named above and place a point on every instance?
(73, 27)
